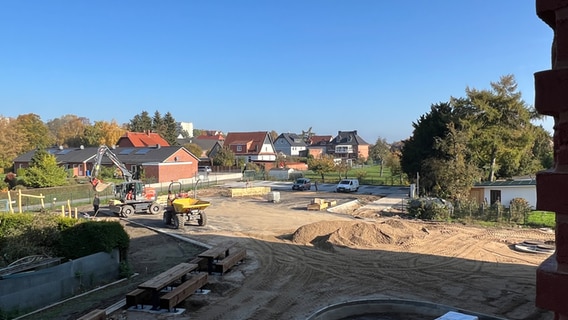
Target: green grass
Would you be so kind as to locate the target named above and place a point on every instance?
(542, 219)
(368, 175)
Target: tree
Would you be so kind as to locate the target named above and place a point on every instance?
(420, 146)
(224, 157)
(379, 151)
(452, 176)
(68, 130)
(44, 171)
(107, 133)
(158, 123)
(13, 140)
(36, 133)
(499, 125)
(169, 129)
(273, 135)
(140, 123)
(321, 166)
(194, 149)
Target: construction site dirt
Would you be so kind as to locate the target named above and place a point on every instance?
(300, 261)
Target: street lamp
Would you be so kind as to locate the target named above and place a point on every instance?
(199, 178)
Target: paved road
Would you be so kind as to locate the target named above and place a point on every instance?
(391, 195)
(326, 187)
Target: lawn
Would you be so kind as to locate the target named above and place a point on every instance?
(367, 175)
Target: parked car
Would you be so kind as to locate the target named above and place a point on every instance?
(205, 169)
(347, 185)
(302, 184)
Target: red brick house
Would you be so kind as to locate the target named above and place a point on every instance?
(159, 163)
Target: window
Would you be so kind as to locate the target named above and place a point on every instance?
(239, 148)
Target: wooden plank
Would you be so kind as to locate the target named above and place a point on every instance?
(138, 297)
(168, 277)
(218, 251)
(96, 314)
(201, 262)
(237, 255)
(184, 290)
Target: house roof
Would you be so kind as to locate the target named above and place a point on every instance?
(143, 139)
(506, 183)
(256, 139)
(348, 137)
(216, 136)
(129, 155)
(320, 140)
(292, 139)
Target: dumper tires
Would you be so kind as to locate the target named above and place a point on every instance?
(202, 220)
(178, 221)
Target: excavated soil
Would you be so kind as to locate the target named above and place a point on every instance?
(299, 261)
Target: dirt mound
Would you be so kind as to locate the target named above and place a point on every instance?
(358, 234)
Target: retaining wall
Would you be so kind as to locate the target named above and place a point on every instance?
(32, 290)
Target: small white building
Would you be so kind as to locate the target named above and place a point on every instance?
(504, 191)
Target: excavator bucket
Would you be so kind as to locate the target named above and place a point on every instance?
(98, 185)
(101, 186)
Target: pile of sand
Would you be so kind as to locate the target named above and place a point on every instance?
(358, 234)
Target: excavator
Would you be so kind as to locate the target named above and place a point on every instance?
(131, 196)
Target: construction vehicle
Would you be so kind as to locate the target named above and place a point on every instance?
(131, 196)
(181, 209)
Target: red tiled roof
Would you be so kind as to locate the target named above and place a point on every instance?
(144, 139)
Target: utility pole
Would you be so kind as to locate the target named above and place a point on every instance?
(418, 184)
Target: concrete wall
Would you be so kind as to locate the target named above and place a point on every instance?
(509, 193)
(32, 290)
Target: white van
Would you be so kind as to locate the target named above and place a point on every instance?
(347, 185)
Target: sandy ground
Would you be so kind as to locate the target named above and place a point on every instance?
(300, 261)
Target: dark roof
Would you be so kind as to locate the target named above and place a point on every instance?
(506, 183)
(130, 155)
(293, 139)
(348, 137)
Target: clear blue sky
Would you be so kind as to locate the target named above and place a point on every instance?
(368, 65)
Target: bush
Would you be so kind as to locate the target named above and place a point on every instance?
(430, 209)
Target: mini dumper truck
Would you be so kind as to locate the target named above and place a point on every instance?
(182, 209)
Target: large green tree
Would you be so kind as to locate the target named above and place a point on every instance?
(224, 157)
(499, 126)
(169, 129)
(420, 146)
(44, 171)
(140, 123)
(36, 133)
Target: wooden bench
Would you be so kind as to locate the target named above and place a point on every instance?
(96, 314)
(200, 262)
(138, 297)
(218, 252)
(166, 279)
(182, 291)
(237, 255)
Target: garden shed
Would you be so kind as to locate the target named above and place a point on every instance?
(504, 191)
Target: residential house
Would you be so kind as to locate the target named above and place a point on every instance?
(489, 192)
(256, 147)
(289, 144)
(348, 146)
(317, 145)
(141, 139)
(159, 163)
(206, 141)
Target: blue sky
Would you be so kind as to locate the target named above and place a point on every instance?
(367, 65)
